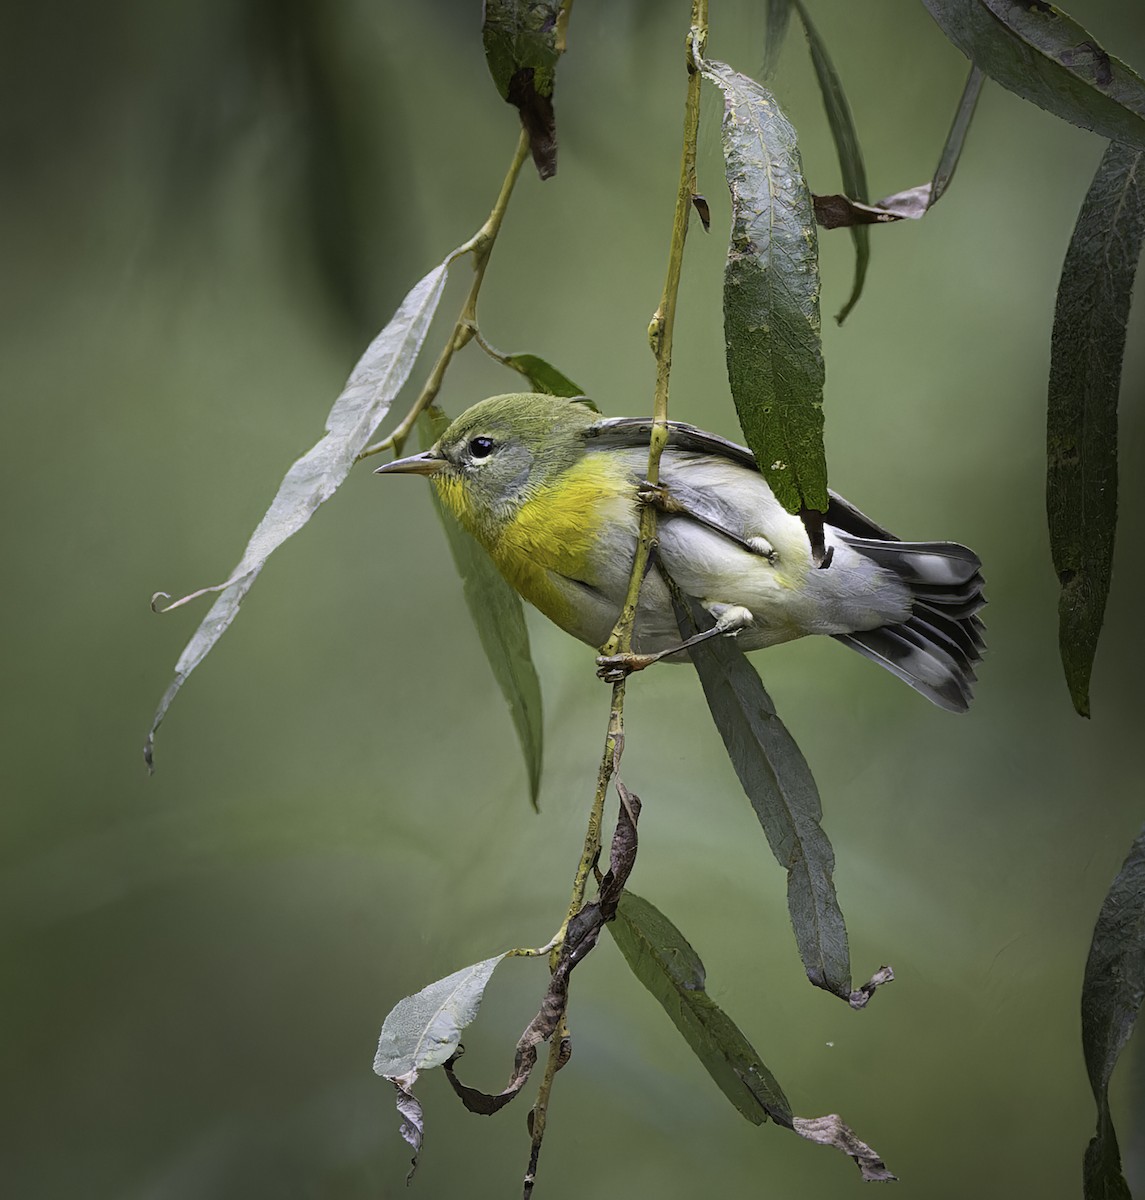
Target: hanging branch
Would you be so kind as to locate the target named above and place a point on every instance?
(619, 644)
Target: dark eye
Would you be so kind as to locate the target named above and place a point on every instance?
(481, 447)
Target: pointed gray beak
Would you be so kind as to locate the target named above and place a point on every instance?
(428, 463)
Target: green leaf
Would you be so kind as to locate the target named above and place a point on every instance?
(782, 791)
(662, 959)
(956, 138)
(423, 1031)
(846, 138)
(364, 401)
(523, 40)
(771, 294)
(1111, 997)
(778, 20)
(543, 376)
(1043, 55)
(499, 618)
(833, 212)
(1085, 377)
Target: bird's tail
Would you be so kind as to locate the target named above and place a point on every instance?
(937, 649)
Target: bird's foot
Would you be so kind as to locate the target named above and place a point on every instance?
(730, 619)
(657, 496)
(613, 668)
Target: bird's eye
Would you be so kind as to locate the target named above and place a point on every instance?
(481, 447)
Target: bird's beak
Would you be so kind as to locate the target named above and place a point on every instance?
(428, 463)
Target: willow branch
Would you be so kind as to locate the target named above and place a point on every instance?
(480, 245)
(661, 330)
(660, 333)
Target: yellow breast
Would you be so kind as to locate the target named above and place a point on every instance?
(557, 530)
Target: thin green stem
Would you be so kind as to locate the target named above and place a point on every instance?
(660, 333)
(661, 330)
(480, 245)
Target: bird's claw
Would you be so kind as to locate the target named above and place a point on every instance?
(613, 668)
(657, 496)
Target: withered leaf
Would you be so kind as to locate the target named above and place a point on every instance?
(523, 41)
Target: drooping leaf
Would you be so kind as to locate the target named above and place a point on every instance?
(499, 618)
(423, 1031)
(1111, 997)
(543, 375)
(1085, 377)
(834, 212)
(778, 20)
(375, 380)
(662, 959)
(771, 294)
(956, 138)
(1039, 52)
(523, 40)
(846, 138)
(782, 791)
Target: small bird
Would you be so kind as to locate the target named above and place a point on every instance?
(553, 492)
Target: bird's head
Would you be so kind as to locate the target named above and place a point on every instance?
(500, 452)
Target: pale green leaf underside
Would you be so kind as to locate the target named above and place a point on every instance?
(370, 390)
(423, 1030)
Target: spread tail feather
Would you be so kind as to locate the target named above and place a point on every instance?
(936, 650)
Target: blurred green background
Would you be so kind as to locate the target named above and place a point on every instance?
(208, 209)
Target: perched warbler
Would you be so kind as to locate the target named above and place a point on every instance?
(553, 491)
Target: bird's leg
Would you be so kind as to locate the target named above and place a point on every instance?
(730, 619)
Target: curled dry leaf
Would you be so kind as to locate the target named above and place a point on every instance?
(861, 995)
(830, 1131)
(580, 938)
(838, 212)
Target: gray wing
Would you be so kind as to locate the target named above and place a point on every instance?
(634, 432)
